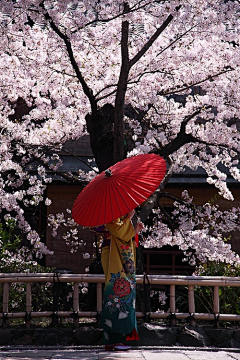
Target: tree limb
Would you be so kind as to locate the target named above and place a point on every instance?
(180, 36)
(88, 92)
(120, 94)
(153, 38)
(187, 87)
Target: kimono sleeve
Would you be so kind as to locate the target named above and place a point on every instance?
(121, 229)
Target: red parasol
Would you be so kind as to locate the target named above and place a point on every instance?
(118, 189)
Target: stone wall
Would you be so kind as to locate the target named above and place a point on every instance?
(150, 335)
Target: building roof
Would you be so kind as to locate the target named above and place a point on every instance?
(78, 154)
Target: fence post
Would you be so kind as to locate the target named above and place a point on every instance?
(76, 303)
(191, 305)
(191, 281)
(28, 304)
(216, 308)
(99, 297)
(172, 305)
(6, 288)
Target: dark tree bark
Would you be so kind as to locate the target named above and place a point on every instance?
(100, 128)
(118, 151)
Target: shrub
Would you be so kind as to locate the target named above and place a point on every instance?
(228, 296)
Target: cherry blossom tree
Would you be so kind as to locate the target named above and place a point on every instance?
(138, 76)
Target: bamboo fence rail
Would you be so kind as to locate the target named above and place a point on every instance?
(188, 281)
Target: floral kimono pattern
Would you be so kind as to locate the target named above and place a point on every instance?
(118, 260)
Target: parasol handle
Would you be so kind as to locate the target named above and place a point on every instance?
(136, 240)
(135, 219)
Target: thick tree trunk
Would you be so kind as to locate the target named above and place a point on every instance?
(100, 128)
(118, 151)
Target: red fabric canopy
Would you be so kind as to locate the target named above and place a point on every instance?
(118, 190)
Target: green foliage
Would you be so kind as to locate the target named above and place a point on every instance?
(228, 296)
(8, 242)
(42, 297)
(12, 253)
(14, 258)
(218, 269)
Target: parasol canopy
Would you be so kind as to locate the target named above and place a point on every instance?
(118, 190)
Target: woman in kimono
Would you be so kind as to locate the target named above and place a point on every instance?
(119, 261)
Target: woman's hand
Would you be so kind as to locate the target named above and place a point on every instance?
(139, 227)
(131, 214)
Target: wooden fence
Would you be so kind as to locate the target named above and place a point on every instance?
(76, 279)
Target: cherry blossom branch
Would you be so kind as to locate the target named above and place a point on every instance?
(182, 138)
(88, 92)
(153, 200)
(111, 18)
(107, 95)
(153, 38)
(67, 176)
(140, 76)
(180, 36)
(80, 159)
(120, 94)
(191, 85)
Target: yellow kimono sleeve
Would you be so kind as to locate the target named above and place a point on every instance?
(122, 229)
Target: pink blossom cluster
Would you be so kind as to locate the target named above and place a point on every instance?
(59, 57)
(65, 221)
(201, 232)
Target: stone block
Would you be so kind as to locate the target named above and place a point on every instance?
(156, 335)
(219, 336)
(26, 339)
(236, 335)
(231, 343)
(46, 338)
(6, 337)
(87, 335)
(189, 336)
